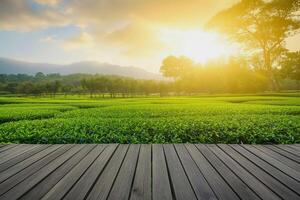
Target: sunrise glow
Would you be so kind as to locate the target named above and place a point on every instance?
(196, 44)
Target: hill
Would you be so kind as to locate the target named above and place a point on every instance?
(11, 66)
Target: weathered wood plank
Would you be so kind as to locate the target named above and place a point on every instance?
(260, 174)
(256, 185)
(66, 183)
(141, 188)
(289, 149)
(197, 180)
(23, 168)
(236, 184)
(40, 174)
(83, 186)
(122, 186)
(11, 153)
(286, 180)
(279, 157)
(181, 186)
(47, 183)
(104, 183)
(279, 166)
(21, 157)
(295, 147)
(23, 174)
(6, 147)
(180, 171)
(217, 183)
(160, 180)
(284, 153)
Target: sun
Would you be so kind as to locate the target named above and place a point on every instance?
(198, 45)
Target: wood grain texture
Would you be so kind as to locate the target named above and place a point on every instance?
(149, 172)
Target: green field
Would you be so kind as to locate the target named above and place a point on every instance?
(207, 119)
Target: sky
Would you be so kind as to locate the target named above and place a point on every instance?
(125, 32)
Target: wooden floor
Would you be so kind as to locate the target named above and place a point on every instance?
(180, 171)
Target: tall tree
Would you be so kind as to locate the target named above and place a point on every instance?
(176, 67)
(290, 66)
(261, 27)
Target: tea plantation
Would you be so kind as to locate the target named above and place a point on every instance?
(220, 119)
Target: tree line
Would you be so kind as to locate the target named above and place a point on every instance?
(81, 84)
(183, 77)
(231, 75)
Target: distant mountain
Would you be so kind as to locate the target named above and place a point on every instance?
(11, 66)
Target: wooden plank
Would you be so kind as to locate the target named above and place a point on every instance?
(181, 171)
(123, 183)
(21, 157)
(160, 180)
(24, 186)
(289, 149)
(242, 190)
(179, 181)
(279, 157)
(37, 158)
(217, 183)
(260, 174)
(13, 152)
(284, 153)
(2, 145)
(3, 149)
(286, 180)
(47, 183)
(141, 188)
(86, 182)
(197, 180)
(104, 183)
(257, 186)
(293, 174)
(294, 147)
(10, 152)
(66, 183)
(20, 176)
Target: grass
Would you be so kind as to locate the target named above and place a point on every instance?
(249, 119)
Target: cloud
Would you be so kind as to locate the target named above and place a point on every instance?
(131, 26)
(47, 2)
(166, 12)
(84, 39)
(20, 15)
(135, 39)
(49, 39)
(124, 29)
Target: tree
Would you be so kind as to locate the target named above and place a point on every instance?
(261, 27)
(101, 83)
(26, 88)
(11, 87)
(290, 66)
(89, 84)
(52, 87)
(40, 75)
(176, 67)
(66, 89)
